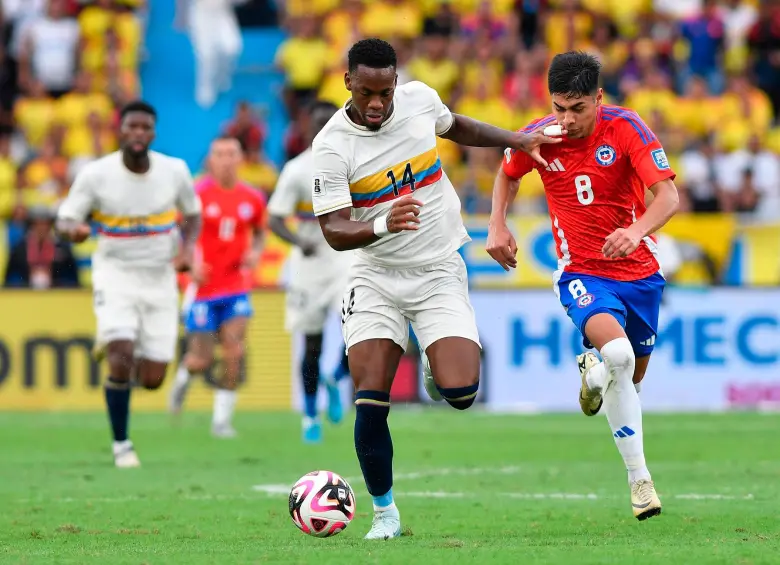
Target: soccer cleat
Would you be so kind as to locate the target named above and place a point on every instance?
(644, 500)
(590, 400)
(335, 410)
(428, 382)
(223, 431)
(312, 430)
(125, 456)
(386, 524)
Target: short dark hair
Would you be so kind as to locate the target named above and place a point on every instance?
(574, 74)
(374, 53)
(138, 106)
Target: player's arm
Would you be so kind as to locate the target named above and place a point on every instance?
(189, 205)
(501, 244)
(73, 211)
(282, 206)
(332, 203)
(648, 159)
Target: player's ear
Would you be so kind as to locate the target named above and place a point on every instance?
(348, 81)
(599, 97)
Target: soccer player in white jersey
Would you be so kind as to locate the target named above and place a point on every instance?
(134, 197)
(378, 187)
(317, 279)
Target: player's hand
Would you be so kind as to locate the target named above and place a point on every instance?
(251, 259)
(77, 232)
(501, 246)
(184, 260)
(404, 215)
(531, 143)
(621, 243)
(308, 249)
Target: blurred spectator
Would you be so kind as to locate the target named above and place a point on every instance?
(697, 111)
(391, 19)
(45, 177)
(443, 22)
(568, 27)
(525, 86)
(750, 179)
(475, 179)
(764, 41)
(341, 27)
(745, 110)
(484, 24)
(612, 51)
(216, 40)
(527, 13)
(304, 58)
(700, 190)
(247, 128)
(41, 261)
(90, 139)
(485, 66)
(480, 105)
(705, 35)
(738, 16)
(258, 171)
(50, 50)
(8, 174)
(34, 114)
(433, 67)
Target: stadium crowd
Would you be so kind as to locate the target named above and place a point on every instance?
(705, 76)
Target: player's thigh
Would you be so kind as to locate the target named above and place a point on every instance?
(232, 336)
(643, 306)
(200, 351)
(444, 322)
(373, 364)
(593, 306)
(159, 330)
(117, 306)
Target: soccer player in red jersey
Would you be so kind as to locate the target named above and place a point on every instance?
(608, 278)
(229, 248)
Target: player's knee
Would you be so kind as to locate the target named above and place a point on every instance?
(619, 358)
(197, 363)
(120, 364)
(461, 397)
(153, 382)
(232, 351)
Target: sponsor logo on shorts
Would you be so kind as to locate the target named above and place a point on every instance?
(661, 161)
(605, 155)
(585, 300)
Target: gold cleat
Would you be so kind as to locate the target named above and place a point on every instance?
(644, 500)
(590, 401)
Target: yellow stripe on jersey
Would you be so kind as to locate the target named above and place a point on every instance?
(133, 226)
(374, 186)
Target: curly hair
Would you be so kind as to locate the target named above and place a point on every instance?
(373, 53)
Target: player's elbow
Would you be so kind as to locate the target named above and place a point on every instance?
(334, 240)
(275, 224)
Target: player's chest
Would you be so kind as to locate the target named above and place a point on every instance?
(137, 195)
(586, 175)
(236, 211)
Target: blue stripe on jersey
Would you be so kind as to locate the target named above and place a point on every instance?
(537, 125)
(636, 122)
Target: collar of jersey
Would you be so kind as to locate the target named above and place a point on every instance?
(364, 129)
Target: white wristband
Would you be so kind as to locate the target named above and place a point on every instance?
(380, 226)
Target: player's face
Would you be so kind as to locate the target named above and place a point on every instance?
(137, 133)
(577, 114)
(225, 157)
(372, 94)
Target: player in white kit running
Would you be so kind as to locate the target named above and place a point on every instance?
(134, 197)
(318, 275)
(378, 187)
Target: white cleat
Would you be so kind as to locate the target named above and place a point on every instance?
(223, 431)
(428, 382)
(590, 399)
(177, 395)
(386, 525)
(125, 456)
(644, 500)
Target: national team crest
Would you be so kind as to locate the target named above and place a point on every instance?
(585, 300)
(245, 210)
(605, 155)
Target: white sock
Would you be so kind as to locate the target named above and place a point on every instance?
(596, 377)
(623, 409)
(122, 445)
(182, 376)
(224, 406)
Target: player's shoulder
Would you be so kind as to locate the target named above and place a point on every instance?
(415, 97)
(105, 164)
(334, 134)
(168, 161)
(626, 121)
(252, 193)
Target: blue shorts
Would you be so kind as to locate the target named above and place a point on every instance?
(209, 315)
(635, 304)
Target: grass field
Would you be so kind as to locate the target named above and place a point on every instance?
(472, 488)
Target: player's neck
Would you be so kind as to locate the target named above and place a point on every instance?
(226, 183)
(138, 164)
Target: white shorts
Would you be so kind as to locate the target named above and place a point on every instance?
(140, 305)
(381, 302)
(315, 290)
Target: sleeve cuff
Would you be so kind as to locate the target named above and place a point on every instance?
(332, 208)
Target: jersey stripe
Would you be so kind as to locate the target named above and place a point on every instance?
(632, 118)
(135, 226)
(305, 211)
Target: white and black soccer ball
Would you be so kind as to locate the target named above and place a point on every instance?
(322, 504)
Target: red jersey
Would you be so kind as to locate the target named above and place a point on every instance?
(596, 185)
(230, 216)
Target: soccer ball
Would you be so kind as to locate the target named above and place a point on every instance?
(322, 504)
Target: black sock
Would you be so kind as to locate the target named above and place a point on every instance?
(460, 398)
(118, 404)
(310, 371)
(373, 443)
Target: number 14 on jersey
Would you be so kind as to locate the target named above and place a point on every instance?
(407, 180)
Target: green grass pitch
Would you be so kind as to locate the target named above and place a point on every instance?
(472, 488)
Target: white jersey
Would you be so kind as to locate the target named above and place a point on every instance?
(367, 170)
(136, 214)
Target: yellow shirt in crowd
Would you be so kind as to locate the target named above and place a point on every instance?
(304, 61)
(34, 116)
(439, 75)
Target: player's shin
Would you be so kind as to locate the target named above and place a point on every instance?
(310, 372)
(226, 395)
(117, 394)
(374, 446)
(622, 407)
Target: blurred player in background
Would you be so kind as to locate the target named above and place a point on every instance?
(608, 279)
(228, 250)
(134, 196)
(318, 275)
(378, 187)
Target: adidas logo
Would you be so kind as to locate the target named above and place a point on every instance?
(625, 431)
(555, 166)
(648, 342)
